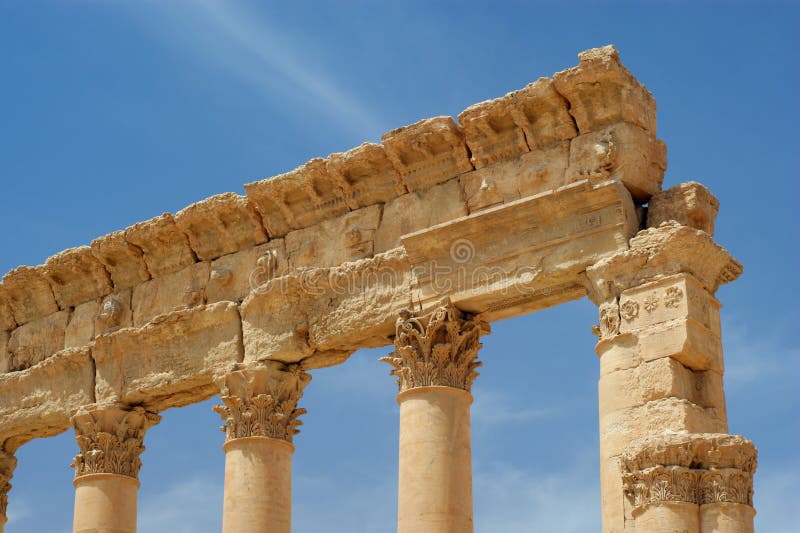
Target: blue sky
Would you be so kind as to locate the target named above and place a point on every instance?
(114, 112)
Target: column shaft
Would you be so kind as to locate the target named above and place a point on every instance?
(435, 478)
(105, 503)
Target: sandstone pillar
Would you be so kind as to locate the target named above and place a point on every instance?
(7, 464)
(261, 418)
(661, 364)
(435, 361)
(110, 439)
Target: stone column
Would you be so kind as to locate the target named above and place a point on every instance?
(7, 465)
(110, 439)
(261, 418)
(435, 361)
(660, 348)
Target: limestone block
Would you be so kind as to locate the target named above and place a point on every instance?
(543, 114)
(7, 322)
(675, 297)
(185, 288)
(427, 152)
(124, 261)
(37, 340)
(115, 312)
(234, 276)
(620, 352)
(303, 197)
(80, 328)
(221, 225)
(601, 91)
(4, 357)
(367, 175)
(690, 204)
(331, 242)
(529, 174)
(76, 276)
(171, 361)
(38, 401)
(417, 210)
(684, 340)
(28, 293)
(491, 133)
(165, 247)
(621, 151)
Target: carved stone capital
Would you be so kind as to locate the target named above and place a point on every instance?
(7, 465)
(439, 349)
(261, 400)
(702, 469)
(111, 439)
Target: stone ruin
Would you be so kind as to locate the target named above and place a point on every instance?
(545, 195)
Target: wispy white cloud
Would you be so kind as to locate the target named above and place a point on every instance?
(193, 506)
(776, 500)
(493, 408)
(755, 356)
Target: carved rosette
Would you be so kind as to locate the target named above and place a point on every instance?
(438, 350)
(699, 469)
(111, 439)
(7, 465)
(262, 401)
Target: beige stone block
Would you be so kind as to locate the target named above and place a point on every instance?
(620, 151)
(185, 288)
(298, 199)
(334, 241)
(690, 204)
(529, 174)
(28, 293)
(37, 340)
(166, 248)
(417, 210)
(7, 322)
(543, 114)
(234, 276)
(115, 312)
(5, 362)
(675, 297)
(491, 133)
(38, 401)
(669, 517)
(124, 261)
(221, 225)
(683, 340)
(366, 174)
(80, 328)
(601, 91)
(618, 353)
(427, 152)
(726, 517)
(76, 276)
(171, 361)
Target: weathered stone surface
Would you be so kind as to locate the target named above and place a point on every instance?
(621, 151)
(182, 289)
(221, 225)
(531, 173)
(166, 248)
(80, 328)
(4, 356)
(427, 152)
(234, 276)
(333, 241)
(543, 114)
(601, 91)
(37, 340)
(7, 322)
(38, 402)
(690, 204)
(76, 276)
(491, 133)
(114, 312)
(298, 199)
(417, 210)
(366, 174)
(169, 362)
(124, 261)
(28, 293)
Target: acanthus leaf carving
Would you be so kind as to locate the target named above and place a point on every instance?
(7, 465)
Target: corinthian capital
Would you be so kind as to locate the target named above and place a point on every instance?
(261, 400)
(7, 464)
(111, 439)
(439, 349)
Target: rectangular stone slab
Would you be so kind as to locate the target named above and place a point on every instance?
(517, 257)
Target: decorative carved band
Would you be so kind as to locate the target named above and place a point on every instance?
(438, 350)
(7, 465)
(261, 401)
(111, 439)
(690, 468)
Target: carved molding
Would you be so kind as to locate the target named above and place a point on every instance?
(437, 350)
(7, 465)
(261, 401)
(111, 439)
